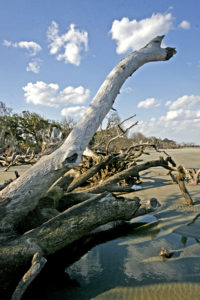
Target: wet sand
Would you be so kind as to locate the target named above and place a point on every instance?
(10, 174)
(178, 291)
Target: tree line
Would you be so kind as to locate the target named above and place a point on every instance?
(29, 131)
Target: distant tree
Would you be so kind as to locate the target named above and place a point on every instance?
(139, 138)
(67, 124)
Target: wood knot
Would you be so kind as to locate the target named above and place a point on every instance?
(72, 158)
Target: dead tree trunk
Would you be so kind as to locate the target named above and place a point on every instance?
(21, 197)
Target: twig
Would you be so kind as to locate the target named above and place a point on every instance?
(38, 263)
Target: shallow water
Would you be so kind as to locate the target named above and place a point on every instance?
(130, 267)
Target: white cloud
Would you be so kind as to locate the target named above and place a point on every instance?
(41, 93)
(34, 66)
(132, 35)
(184, 102)
(149, 102)
(127, 90)
(184, 25)
(32, 47)
(76, 111)
(181, 114)
(74, 95)
(49, 95)
(181, 122)
(71, 43)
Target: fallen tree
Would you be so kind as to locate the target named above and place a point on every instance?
(21, 201)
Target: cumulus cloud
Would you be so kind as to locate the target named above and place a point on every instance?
(181, 122)
(184, 102)
(34, 66)
(149, 102)
(74, 95)
(72, 43)
(75, 111)
(180, 114)
(184, 25)
(132, 35)
(49, 94)
(32, 47)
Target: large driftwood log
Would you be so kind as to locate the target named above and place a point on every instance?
(22, 196)
(64, 229)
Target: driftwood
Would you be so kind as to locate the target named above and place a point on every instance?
(17, 159)
(192, 176)
(64, 229)
(122, 133)
(181, 182)
(180, 179)
(22, 197)
(38, 262)
(110, 183)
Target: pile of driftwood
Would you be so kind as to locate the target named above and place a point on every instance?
(35, 221)
(17, 159)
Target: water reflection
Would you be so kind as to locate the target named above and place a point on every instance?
(130, 261)
(88, 266)
(140, 263)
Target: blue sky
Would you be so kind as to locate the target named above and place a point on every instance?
(55, 55)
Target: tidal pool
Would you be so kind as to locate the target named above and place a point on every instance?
(129, 267)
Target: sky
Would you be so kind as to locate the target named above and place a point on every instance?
(55, 54)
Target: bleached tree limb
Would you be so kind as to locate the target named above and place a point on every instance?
(38, 263)
(123, 132)
(22, 196)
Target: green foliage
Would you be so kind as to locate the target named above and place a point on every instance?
(19, 132)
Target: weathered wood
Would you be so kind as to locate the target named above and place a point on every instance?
(193, 176)
(70, 199)
(23, 195)
(63, 230)
(38, 263)
(123, 132)
(130, 172)
(181, 182)
(91, 172)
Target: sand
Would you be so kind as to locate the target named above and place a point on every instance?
(178, 291)
(173, 212)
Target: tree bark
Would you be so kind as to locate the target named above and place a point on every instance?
(22, 196)
(61, 231)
